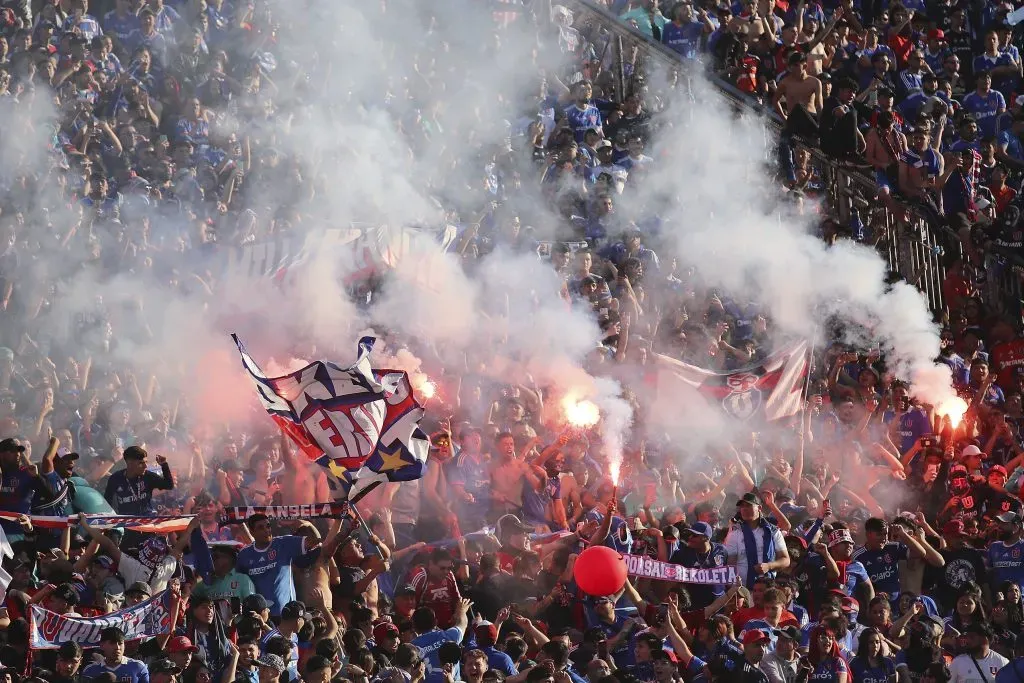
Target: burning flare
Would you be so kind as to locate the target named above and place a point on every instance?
(423, 386)
(580, 414)
(953, 409)
(613, 470)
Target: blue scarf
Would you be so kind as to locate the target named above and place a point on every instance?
(750, 546)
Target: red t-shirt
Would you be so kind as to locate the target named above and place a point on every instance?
(741, 617)
(1005, 358)
(441, 596)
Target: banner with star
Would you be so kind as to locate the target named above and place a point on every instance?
(360, 424)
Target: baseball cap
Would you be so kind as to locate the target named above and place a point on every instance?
(384, 630)
(164, 666)
(839, 536)
(749, 499)
(755, 636)
(405, 591)
(1008, 517)
(293, 610)
(850, 605)
(511, 524)
(65, 454)
(791, 632)
(968, 451)
(105, 562)
(231, 466)
(255, 603)
(978, 629)
(700, 529)
(140, 588)
(271, 662)
(936, 34)
(181, 644)
(11, 446)
(602, 144)
(998, 469)
(67, 593)
(485, 630)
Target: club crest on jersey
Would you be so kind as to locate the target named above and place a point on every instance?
(744, 398)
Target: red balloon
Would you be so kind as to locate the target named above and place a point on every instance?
(599, 570)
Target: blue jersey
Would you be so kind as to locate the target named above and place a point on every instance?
(121, 28)
(1006, 562)
(429, 643)
(828, 670)
(696, 671)
(985, 109)
(271, 569)
(581, 120)
(683, 39)
(913, 424)
(17, 489)
(762, 625)
(128, 671)
(59, 504)
(881, 566)
(863, 672)
(134, 496)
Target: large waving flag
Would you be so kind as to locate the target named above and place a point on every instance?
(358, 423)
(774, 389)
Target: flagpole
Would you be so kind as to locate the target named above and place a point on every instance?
(807, 385)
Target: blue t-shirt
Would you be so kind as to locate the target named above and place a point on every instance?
(429, 643)
(985, 109)
(863, 672)
(683, 39)
(16, 491)
(881, 566)
(1006, 562)
(271, 569)
(128, 671)
(1012, 672)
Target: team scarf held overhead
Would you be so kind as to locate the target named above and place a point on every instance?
(102, 522)
(237, 515)
(360, 424)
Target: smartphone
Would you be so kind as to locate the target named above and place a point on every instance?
(663, 611)
(236, 606)
(602, 649)
(928, 442)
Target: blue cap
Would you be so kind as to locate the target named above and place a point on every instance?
(701, 529)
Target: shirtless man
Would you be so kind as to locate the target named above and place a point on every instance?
(798, 88)
(885, 147)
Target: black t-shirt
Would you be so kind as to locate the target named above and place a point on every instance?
(963, 565)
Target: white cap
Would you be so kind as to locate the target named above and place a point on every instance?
(970, 450)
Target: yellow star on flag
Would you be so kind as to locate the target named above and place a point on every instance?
(389, 462)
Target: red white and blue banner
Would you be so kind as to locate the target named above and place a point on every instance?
(145, 525)
(359, 423)
(49, 630)
(773, 389)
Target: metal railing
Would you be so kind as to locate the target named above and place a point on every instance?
(913, 247)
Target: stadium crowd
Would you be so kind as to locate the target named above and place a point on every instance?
(880, 541)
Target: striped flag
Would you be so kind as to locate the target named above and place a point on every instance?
(145, 525)
(358, 423)
(774, 389)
